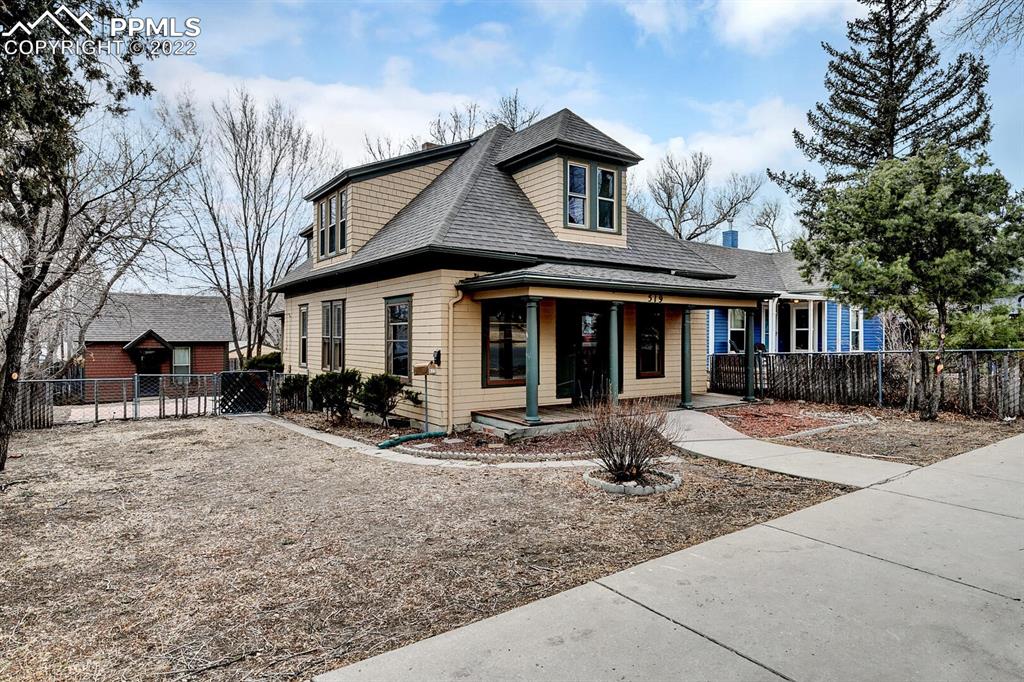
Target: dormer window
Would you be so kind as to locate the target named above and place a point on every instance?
(333, 236)
(323, 229)
(342, 222)
(332, 227)
(605, 199)
(576, 202)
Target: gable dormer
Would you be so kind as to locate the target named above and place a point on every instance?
(574, 175)
(350, 208)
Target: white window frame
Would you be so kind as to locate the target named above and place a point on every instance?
(303, 335)
(614, 200)
(332, 225)
(342, 223)
(585, 196)
(321, 228)
(858, 315)
(793, 329)
(174, 360)
(730, 329)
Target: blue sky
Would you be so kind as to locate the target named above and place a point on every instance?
(731, 78)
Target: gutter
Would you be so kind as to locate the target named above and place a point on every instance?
(450, 425)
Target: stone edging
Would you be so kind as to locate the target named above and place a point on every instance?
(496, 453)
(635, 490)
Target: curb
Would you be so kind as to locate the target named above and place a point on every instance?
(634, 490)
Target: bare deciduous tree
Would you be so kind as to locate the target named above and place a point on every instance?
(768, 219)
(686, 204)
(512, 112)
(991, 23)
(243, 206)
(381, 147)
(460, 123)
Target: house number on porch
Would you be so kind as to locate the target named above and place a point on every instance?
(655, 298)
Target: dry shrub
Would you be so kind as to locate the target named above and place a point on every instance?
(627, 437)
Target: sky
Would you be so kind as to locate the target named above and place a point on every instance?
(730, 77)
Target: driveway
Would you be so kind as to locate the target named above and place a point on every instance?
(917, 578)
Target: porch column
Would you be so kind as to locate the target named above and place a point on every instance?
(532, 359)
(686, 389)
(749, 352)
(613, 351)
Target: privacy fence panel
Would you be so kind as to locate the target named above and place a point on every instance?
(974, 382)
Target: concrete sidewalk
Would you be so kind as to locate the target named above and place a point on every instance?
(920, 578)
(703, 434)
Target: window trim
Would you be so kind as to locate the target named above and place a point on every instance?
(660, 373)
(388, 341)
(485, 343)
(730, 329)
(332, 225)
(175, 365)
(321, 230)
(304, 335)
(327, 363)
(858, 315)
(586, 196)
(598, 199)
(342, 223)
(793, 329)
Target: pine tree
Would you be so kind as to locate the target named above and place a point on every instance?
(889, 95)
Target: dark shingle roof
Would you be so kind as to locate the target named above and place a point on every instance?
(563, 127)
(474, 205)
(774, 271)
(176, 319)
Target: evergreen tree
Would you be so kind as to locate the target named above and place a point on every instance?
(888, 96)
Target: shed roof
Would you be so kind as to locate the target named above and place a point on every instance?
(175, 318)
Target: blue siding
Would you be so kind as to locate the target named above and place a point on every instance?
(872, 333)
(844, 331)
(831, 310)
(721, 334)
(757, 327)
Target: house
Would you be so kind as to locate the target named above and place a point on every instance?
(509, 269)
(157, 334)
(802, 318)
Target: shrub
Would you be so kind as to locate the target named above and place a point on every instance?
(334, 391)
(627, 437)
(270, 362)
(381, 393)
(294, 389)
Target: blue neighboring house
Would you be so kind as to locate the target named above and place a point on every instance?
(803, 319)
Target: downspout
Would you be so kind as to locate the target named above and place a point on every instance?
(451, 362)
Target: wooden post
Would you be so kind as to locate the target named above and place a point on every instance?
(613, 351)
(686, 389)
(532, 359)
(749, 353)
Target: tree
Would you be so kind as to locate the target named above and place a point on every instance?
(990, 23)
(684, 202)
(767, 219)
(43, 94)
(923, 236)
(512, 112)
(243, 206)
(381, 393)
(888, 97)
(995, 327)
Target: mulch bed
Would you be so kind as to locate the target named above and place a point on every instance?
(896, 436)
(220, 549)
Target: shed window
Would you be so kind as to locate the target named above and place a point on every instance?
(303, 334)
(505, 343)
(576, 201)
(398, 317)
(182, 363)
(332, 347)
(650, 341)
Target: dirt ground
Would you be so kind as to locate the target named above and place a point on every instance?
(896, 435)
(223, 549)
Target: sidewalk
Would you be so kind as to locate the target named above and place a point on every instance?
(920, 578)
(703, 434)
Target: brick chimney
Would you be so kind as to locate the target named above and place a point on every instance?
(428, 145)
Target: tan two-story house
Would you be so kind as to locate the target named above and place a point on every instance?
(512, 263)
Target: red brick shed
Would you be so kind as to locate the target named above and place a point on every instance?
(157, 334)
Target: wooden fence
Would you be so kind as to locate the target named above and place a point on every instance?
(985, 382)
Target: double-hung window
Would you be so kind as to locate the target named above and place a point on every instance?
(332, 227)
(737, 330)
(303, 335)
(855, 329)
(606, 203)
(182, 360)
(342, 224)
(801, 327)
(322, 228)
(577, 200)
(398, 322)
(332, 348)
(650, 341)
(505, 343)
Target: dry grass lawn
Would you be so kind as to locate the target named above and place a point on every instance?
(225, 549)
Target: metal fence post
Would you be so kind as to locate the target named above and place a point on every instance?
(880, 374)
(96, 401)
(135, 402)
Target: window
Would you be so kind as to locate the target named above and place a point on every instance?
(576, 202)
(802, 327)
(182, 362)
(323, 229)
(605, 199)
(342, 222)
(398, 317)
(856, 320)
(505, 343)
(332, 348)
(332, 227)
(737, 330)
(650, 341)
(303, 334)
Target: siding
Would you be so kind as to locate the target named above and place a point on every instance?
(110, 361)
(844, 328)
(873, 335)
(831, 337)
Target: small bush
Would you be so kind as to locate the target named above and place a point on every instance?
(270, 362)
(627, 437)
(294, 389)
(381, 393)
(334, 391)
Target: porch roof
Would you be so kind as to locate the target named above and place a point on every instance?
(572, 276)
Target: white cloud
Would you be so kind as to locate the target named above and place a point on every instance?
(485, 44)
(764, 25)
(661, 19)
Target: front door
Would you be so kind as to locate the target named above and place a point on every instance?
(582, 351)
(149, 361)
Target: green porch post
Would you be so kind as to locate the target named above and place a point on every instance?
(532, 359)
(686, 389)
(749, 353)
(613, 351)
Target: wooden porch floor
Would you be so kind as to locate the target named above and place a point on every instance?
(566, 414)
